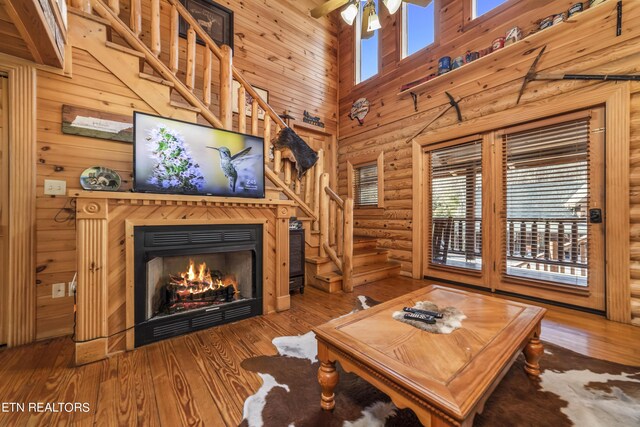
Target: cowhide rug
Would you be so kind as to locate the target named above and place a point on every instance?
(574, 390)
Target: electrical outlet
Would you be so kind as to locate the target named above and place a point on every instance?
(54, 187)
(57, 290)
(72, 288)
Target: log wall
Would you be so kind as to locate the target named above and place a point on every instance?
(487, 86)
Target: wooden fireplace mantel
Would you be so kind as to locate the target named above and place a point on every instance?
(104, 223)
(176, 199)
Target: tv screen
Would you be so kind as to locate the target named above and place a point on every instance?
(175, 157)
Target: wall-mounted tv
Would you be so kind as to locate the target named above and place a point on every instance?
(175, 157)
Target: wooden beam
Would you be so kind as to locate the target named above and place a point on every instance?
(32, 24)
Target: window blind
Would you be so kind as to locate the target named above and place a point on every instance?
(546, 189)
(365, 185)
(456, 205)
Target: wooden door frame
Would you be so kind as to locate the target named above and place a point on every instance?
(21, 286)
(616, 98)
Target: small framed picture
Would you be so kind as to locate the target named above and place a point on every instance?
(264, 94)
(216, 20)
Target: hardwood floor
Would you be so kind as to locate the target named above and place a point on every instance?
(197, 379)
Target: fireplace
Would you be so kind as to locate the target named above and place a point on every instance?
(192, 277)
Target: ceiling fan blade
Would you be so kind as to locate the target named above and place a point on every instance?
(423, 3)
(327, 8)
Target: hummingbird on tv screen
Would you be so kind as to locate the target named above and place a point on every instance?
(229, 163)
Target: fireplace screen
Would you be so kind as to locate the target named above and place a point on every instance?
(191, 277)
(181, 283)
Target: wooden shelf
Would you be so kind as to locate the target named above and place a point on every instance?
(508, 51)
(157, 199)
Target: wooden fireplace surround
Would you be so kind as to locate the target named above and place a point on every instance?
(105, 223)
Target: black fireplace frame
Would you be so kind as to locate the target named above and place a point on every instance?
(177, 240)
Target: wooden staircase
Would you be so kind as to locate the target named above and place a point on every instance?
(370, 263)
(162, 68)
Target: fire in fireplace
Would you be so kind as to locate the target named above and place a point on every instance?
(197, 288)
(192, 277)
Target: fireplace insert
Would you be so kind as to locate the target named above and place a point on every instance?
(191, 277)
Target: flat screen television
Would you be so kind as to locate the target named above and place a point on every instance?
(176, 157)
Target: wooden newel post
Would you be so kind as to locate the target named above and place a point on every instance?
(324, 214)
(347, 257)
(318, 171)
(174, 40)
(226, 83)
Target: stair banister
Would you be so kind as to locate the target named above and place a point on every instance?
(339, 231)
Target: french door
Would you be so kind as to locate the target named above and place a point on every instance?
(521, 210)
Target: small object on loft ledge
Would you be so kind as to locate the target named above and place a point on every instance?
(451, 318)
(295, 149)
(513, 35)
(497, 44)
(98, 178)
(359, 110)
(444, 65)
(457, 62)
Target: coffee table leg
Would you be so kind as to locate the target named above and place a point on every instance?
(532, 353)
(328, 379)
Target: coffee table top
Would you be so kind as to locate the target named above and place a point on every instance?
(452, 371)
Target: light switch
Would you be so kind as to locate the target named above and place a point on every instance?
(54, 187)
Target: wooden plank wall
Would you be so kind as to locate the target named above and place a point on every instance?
(486, 89)
(281, 50)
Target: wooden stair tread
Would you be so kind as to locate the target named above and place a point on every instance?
(156, 79)
(359, 272)
(184, 106)
(366, 269)
(362, 252)
(124, 49)
(635, 308)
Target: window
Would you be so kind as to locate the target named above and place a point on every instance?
(480, 7)
(456, 205)
(547, 189)
(367, 44)
(365, 182)
(418, 27)
(365, 185)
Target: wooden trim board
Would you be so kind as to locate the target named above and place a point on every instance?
(20, 286)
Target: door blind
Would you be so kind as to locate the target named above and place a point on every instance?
(456, 206)
(546, 189)
(365, 185)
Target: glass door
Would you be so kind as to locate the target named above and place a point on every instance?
(552, 218)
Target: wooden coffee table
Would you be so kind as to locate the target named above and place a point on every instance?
(444, 379)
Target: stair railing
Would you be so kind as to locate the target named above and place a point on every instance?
(165, 58)
(336, 231)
